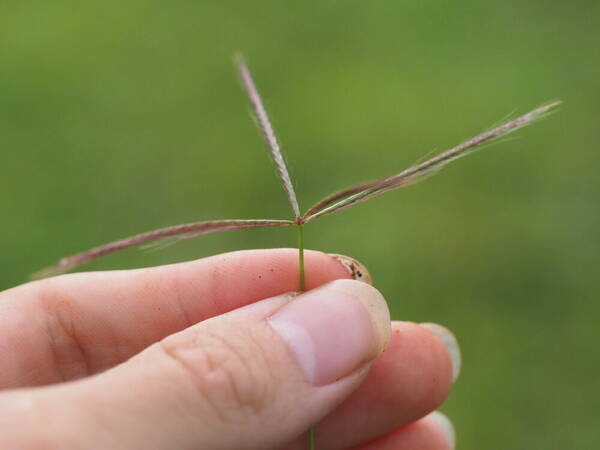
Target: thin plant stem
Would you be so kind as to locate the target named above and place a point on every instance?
(302, 276)
(311, 439)
(301, 272)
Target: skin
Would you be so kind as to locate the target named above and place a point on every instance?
(83, 364)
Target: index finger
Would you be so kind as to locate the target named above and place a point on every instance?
(79, 324)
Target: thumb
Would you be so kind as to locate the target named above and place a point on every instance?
(254, 378)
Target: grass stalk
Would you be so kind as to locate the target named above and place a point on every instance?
(302, 277)
(311, 438)
(301, 271)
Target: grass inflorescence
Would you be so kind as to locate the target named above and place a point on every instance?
(333, 203)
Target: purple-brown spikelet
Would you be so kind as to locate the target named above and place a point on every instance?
(336, 202)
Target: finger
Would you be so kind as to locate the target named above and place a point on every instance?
(79, 324)
(434, 432)
(408, 381)
(253, 378)
(411, 379)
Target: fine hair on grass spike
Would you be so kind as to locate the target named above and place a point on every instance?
(333, 203)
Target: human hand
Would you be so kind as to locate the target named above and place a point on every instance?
(216, 354)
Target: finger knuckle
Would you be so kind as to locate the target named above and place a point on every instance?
(230, 373)
(61, 316)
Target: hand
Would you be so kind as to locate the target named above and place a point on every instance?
(217, 354)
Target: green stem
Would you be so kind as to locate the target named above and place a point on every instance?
(301, 257)
(301, 272)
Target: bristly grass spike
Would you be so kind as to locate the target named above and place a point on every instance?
(331, 204)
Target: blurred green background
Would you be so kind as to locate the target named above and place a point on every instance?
(118, 117)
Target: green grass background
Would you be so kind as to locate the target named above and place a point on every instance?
(121, 116)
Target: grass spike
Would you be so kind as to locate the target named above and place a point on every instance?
(184, 231)
(264, 124)
(355, 195)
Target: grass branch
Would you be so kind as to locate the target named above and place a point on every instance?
(179, 232)
(264, 124)
(354, 195)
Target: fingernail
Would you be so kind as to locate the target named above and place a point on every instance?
(446, 426)
(356, 269)
(451, 344)
(335, 329)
